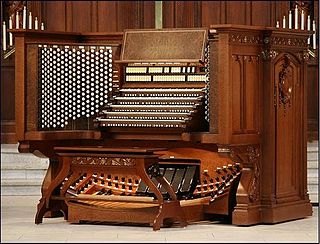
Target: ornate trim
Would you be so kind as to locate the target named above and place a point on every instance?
(249, 58)
(254, 156)
(102, 161)
(268, 54)
(285, 89)
(288, 41)
(237, 38)
(303, 56)
(249, 156)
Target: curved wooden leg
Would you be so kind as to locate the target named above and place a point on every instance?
(64, 209)
(180, 215)
(49, 185)
(158, 221)
(41, 210)
(171, 209)
(176, 211)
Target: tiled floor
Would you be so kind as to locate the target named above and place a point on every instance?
(17, 225)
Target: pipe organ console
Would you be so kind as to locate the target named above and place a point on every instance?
(164, 126)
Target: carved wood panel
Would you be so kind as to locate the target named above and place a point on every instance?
(245, 93)
(289, 114)
(117, 15)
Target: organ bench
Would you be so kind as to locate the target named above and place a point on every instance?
(158, 126)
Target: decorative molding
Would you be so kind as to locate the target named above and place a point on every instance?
(254, 156)
(249, 157)
(248, 58)
(102, 161)
(250, 39)
(285, 89)
(288, 41)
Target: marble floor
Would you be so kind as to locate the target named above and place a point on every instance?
(17, 225)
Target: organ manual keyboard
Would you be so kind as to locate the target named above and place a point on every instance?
(165, 90)
(163, 126)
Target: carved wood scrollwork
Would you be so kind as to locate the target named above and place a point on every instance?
(251, 39)
(303, 56)
(268, 54)
(249, 156)
(11, 7)
(102, 161)
(284, 87)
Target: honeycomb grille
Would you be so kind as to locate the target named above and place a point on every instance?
(74, 82)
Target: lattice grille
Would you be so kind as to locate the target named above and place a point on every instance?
(103, 184)
(74, 82)
(218, 183)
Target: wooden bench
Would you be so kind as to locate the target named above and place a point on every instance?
(126, 165)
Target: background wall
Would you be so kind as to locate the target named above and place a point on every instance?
(113, 16)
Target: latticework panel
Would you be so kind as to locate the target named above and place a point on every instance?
(183, 180)
(74, 82)
(102, 184)
(219, 183)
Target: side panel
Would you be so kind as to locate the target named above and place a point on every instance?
(289, 113)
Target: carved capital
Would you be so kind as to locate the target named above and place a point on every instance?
(268, 54)
(254, 192)
(247, 155)
(303, 56)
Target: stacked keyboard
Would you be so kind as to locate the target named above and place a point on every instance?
(155, 96)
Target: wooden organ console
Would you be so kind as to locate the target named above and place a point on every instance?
(165, 126)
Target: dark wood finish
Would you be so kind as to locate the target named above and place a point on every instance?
(8, 131)
(115, 16)
(313, 99)
(284, 141)
(258, 109)
(258, 13)
(7, 101)
(98, 16)
(26, 96)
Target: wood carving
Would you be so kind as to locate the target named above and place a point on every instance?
(214, 168)
(285, 89)
(306, 6)
(303, 55)
(103, 161)
(250, 39)
(287, 41)
(249, 157)
(254, 157)
(268, 54)
(14, 6)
